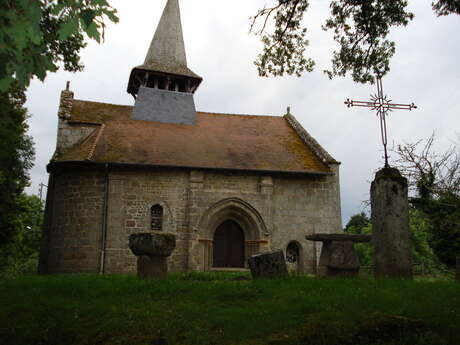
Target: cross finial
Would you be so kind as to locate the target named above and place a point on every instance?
(288, 110)
(383, 105)
(67, 85)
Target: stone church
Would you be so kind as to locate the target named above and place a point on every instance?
(228, 186)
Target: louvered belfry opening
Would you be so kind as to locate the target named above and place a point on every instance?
(228, 246)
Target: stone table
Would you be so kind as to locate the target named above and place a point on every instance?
(338, 255)
(152, 251)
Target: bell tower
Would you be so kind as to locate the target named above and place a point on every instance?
(163, 86)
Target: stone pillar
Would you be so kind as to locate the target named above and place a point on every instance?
(390, 225)
(152, 251)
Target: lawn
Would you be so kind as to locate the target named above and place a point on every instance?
(214, 308)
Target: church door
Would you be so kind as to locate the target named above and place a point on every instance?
(228, 245)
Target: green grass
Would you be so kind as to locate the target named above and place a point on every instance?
(210, 308)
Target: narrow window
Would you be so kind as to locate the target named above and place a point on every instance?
(156, 216)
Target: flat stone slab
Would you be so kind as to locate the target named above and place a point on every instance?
(152, 244)
(338, 255)
(339, 238)
(268, 265)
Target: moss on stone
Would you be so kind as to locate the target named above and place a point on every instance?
(391, 174)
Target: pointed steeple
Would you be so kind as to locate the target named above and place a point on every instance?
(165, 66)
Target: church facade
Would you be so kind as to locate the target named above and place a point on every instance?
(228, 186)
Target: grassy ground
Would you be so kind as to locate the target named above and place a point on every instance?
(211, 308)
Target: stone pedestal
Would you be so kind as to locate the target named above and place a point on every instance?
(390, 225)
(268, 265)
(152, 251)
(458, 268)
(338, 255)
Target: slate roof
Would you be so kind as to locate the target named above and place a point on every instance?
(217, 141)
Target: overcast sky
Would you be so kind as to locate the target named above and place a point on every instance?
(425, 70)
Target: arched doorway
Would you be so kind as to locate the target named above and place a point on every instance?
(293, 259)
(228, 245)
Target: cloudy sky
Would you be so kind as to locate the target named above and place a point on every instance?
(425, 70)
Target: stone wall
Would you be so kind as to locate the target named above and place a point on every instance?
(69, 133)
(74, 236)
(271, 210)
(131, 195)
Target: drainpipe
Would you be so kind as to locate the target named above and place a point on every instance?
(104, 218)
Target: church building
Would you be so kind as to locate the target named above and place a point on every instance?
(228, 186)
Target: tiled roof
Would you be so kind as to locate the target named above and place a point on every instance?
(219, 141)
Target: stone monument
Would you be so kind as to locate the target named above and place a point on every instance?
(390, 225)
(338, 255)
(152, 251)
(268, 265)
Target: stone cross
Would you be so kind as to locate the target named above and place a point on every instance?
(382, 105)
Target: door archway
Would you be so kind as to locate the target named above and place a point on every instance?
(228, 245)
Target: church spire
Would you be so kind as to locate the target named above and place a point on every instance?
(165, 65)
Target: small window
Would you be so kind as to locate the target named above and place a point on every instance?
(156, 217)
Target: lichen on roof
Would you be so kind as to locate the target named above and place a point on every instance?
(222, 141)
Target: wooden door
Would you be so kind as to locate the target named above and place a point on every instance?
(228, 245)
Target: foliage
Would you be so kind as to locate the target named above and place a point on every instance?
(284, 48)
(21, 254)
(16, 158)
(421, 240)
(357, 223)
(435, 182)
(90, 309)
(37, 35)
(360, 29)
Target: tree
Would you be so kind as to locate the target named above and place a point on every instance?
(37, 35)
(16, 158)
(360, 28)
(357, 223)
(420, 229)
(21, 254)
(435, 183)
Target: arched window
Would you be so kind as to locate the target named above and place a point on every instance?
(292, 253)
(156, 217)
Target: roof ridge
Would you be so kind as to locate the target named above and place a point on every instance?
(311, 142)
(230, 114)
(93, 147)
(113, 104)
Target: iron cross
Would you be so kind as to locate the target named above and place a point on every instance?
(383, 105)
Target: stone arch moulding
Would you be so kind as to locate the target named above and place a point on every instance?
(237, 210)
(168, 221)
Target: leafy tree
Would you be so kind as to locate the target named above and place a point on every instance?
(37, 35)
(357, 223)
(420, 228)
(435, 183)
(360, 28)
(21, 254)
(16, 158)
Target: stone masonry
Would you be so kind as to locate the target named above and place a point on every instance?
(390, 225)
(272, 211)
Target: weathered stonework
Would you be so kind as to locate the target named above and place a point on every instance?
(70, 133)
(271, 210)
(390, 225)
